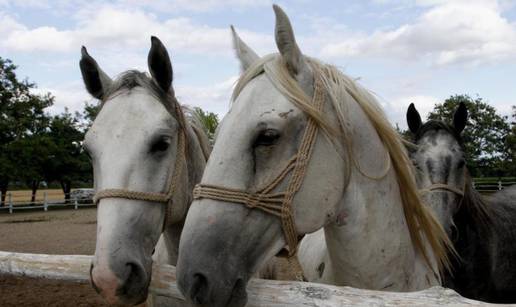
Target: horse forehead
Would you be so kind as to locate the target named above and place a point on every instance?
(133, 113)
(441, 150)
(261, 101)
(439, 141)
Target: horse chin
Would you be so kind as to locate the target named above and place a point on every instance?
(238, 297)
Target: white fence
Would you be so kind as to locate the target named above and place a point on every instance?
(261, 292)
(46, 203)
(490, 186)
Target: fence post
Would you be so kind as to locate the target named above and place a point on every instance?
(10, 195)
(45, 203)
(474, 185)
(499, 185)
(76, 203)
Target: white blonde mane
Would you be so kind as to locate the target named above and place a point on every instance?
(421, 222)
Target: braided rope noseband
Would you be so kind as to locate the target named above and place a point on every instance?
(445, 187)
(442, 187)
(172, 180)
(276, 203)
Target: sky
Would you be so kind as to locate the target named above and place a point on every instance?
(403, 51)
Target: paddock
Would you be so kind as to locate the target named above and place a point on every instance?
(51, 232)
(33, 263)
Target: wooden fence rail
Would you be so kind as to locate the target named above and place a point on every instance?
(261, 293)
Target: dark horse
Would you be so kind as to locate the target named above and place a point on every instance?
(483, 229)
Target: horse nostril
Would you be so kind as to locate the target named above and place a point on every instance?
(136, 274)
(199, 289)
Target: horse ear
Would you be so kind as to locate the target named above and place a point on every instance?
(413, 119)
(95, 80)
(244, 53)
(460, 118)
(286, 42)
(159, 63)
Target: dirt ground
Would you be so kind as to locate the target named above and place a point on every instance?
(52, 232)
(58, 232)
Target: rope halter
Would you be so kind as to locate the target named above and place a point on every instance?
(276, 203)
(172, 181)
(442, 187)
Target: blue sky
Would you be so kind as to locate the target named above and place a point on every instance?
(419, 51)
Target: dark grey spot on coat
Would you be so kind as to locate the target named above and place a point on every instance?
(285, 114)
(320, 269)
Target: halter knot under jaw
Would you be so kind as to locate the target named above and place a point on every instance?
(280, 203)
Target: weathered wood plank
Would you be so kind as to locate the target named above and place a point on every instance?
(261, 293)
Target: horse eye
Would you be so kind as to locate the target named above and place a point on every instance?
(461, 164)
(160, 145)
(267, 137)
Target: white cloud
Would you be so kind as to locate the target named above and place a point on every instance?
(9, 25)
(156, 5)
(71, 95)
(120, 29)
(449, 32)
(214, 98)
(396, 108)
(196, 6)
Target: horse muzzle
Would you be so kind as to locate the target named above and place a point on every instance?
(125, 283)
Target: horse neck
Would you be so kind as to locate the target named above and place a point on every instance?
(474, 218)
(195, 162)
(371, 234)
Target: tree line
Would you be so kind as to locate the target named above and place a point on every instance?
(37, 147)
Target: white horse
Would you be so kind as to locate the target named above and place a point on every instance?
(147, 155)
(307, 151)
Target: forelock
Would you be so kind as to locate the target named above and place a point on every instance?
(438, 126)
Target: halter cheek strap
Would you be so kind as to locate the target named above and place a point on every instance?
(172, 181)
(276, 203)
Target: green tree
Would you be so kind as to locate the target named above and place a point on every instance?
(22, 119)
(11, 90)
(484, 136)
(405, 134)
(30, 154)
(209, 120)
(511, 144)
(89, 114)
(67, 162)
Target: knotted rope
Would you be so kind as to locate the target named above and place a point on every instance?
(172, 181)
(276, 203)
